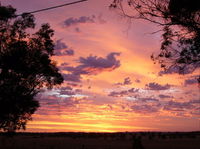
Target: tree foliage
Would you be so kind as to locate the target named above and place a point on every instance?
(25, 67)
(180, 22)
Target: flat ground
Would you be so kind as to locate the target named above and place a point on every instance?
(139, 140)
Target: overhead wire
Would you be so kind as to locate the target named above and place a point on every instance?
(54, 7)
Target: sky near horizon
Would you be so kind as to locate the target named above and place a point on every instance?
(111, 84)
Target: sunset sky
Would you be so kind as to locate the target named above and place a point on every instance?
(111, 84)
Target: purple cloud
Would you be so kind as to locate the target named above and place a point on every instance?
(137, 81)
(190, 81)
(118, 94)
(133, 90)
(81, 20)
(61, 49)
(196, 111)
(127, 81)
(68, 90)
(179, 106)
(72, 77)
(94, 64)
(52, 105)
(145, 108)
(123, 93)
(69, 52)
(59, 45)
(156, 86)
(195, 101)
(165, 96)
(148, 99)
(91, 65)
(73, 84)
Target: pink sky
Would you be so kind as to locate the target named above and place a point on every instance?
(111, 84)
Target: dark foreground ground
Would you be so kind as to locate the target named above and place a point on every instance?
(139, 140)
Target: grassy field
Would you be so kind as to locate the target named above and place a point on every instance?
(139, 140)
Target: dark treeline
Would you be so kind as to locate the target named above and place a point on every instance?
(116, 135)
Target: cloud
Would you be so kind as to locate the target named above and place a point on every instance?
(181, 106)
(195, 101)
(66, 88)
(69, 52)
(81, 20)
(190, 81)
(133, 90)
(59, 45)
(145, 108)
(56, 104)
(149, 105)
(196, 111)
(61, 49)
(148, 99)
(73, 84)
(69, 91)
(123, 93)
(94, 64)
(60, 99)
(146, 105)
(118, 94)
(72, 77)
(156, 86)
(91, 65)
(165, 96)
(137, 81)
(127, 81)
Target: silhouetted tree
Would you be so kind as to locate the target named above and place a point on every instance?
(180, 23)
(25, 67)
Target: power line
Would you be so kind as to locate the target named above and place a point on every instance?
(49, 8)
